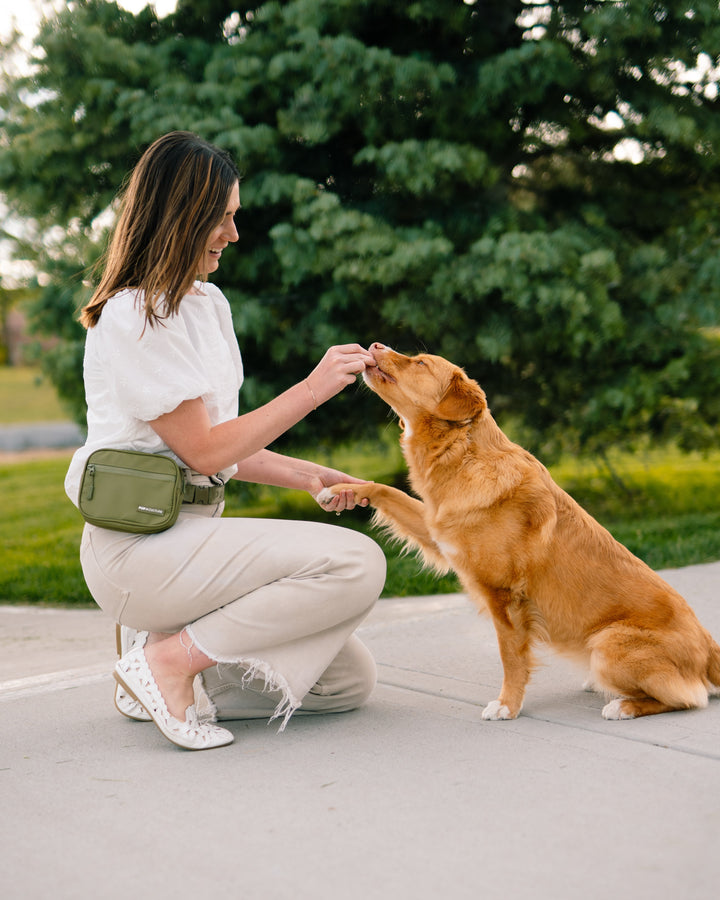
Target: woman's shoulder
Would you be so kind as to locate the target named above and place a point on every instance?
(123, 301)
(124, 320)
(219, 301)
(214, 292)
(122, 310)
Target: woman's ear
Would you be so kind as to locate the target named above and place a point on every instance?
(463, 399)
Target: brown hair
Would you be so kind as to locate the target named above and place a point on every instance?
(176, 195)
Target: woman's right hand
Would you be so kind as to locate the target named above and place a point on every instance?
(207, 448)
(337, 369)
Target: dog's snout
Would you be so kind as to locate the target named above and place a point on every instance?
(377, 346)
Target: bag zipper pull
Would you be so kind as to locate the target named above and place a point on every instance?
(91, 482)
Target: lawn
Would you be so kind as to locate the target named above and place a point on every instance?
(26, 396)
(666, 512)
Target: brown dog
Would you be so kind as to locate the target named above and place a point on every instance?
(526, 552)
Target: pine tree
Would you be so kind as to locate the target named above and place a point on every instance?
(527, 188)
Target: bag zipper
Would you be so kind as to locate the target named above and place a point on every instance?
(118, 470)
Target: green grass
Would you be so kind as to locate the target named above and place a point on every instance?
(666, 512)
(39, 536)
(666, 509)
(25, 396)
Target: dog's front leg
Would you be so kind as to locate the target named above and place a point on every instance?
(517, 660)
(401, 514)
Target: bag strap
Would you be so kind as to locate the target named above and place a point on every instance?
(205, 494)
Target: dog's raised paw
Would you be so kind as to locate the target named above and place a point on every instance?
(495, 710)
(325, 496)
(614, 710)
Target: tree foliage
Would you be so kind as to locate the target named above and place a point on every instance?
(528, 188)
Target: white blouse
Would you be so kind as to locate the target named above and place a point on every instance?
(134, 372)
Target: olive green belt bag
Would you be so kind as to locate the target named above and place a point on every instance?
(138, 492)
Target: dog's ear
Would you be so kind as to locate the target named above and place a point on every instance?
(463, 399)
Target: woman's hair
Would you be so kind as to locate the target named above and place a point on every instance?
(176, 195)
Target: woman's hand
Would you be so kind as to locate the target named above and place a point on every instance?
(339, 503)
(337, 369)
(207, 448)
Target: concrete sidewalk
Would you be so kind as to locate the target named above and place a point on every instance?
(40, 436)
(413, 797)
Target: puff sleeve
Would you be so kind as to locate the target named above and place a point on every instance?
(152, 370)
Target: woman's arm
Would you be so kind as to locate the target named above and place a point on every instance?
(267, 467)
(208, 448)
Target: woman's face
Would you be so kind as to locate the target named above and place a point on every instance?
(224, 234)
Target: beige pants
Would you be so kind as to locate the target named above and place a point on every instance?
(275, 602)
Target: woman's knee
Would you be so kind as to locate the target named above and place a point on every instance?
(366, 564)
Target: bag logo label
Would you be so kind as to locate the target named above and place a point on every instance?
(151, 509)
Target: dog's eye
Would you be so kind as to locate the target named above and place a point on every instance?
(419, 362)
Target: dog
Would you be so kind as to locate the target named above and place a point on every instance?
(527, 553)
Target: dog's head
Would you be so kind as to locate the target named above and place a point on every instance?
(424, 386)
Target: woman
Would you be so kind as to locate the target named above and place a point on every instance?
(266, 609)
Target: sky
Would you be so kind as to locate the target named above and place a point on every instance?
(27, 13)
(25, 16)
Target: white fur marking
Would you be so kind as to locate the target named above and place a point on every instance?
(325, 496)
(613, 710)
(496, 711)
(698, 696)
(445, 548)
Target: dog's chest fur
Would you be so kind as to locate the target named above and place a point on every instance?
(454, 470)
(464, 479)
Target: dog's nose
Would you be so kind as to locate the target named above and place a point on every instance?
(378, 346)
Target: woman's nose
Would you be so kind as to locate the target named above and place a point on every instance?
(231, 232)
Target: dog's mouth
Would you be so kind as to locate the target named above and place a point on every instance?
(380, 374)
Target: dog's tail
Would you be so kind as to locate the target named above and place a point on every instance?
(713, 669)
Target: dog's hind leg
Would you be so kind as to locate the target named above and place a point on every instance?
(626, 708)
(639, 669)
(713, 669)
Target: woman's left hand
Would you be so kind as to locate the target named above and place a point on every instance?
(342, 501)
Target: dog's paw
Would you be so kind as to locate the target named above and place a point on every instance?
(495, 710)
(589, 686)
(325, 495)
(614, 710)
